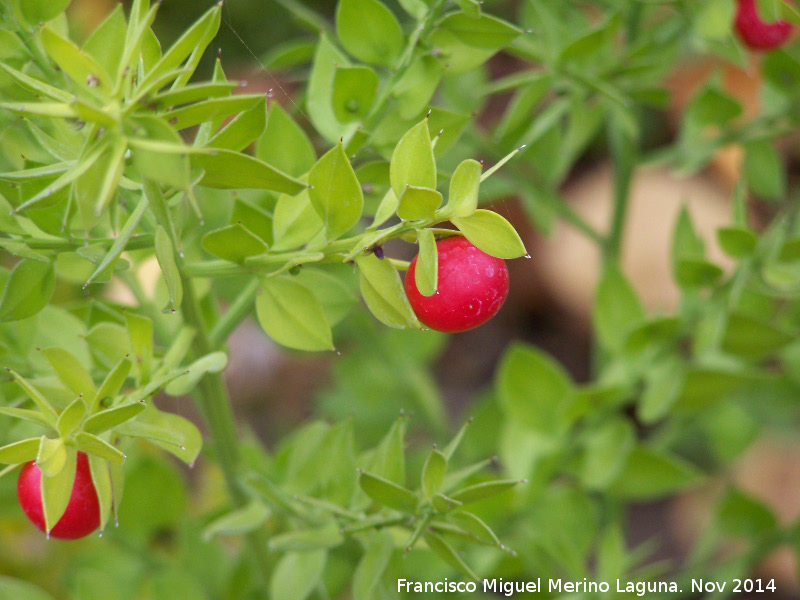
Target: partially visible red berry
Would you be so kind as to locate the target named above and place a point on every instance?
(757, 34)
(472, 287)
(82, 515)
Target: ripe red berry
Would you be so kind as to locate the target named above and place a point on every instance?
(82, 516)
(472, 287)
(757, 34)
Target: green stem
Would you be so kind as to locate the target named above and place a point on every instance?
(623, 151)
(236, 313)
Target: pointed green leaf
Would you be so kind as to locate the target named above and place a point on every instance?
(292, 316)
(28, 290)
(354, 90)
(78, 65)
(227, 169)
(106, 44)
(384, 294)
(295, 221)
(462, 200)
(32, 416)
(444, 504)
(42, 403)
(242, 130)
(140, 332)
(427, 268)
(486, 32)
(306, 540)
(335, 192)
(650, 474)
(617, 308)
(112, 417)
(57, 488)
(369, 31)
(297, 575)
(175, 434)
(663, 385)
(96, 446)
(71, 417)
(319, 94)
(215, 362)
(388, 459)
(433, 473)
(373, 563)
(605, 451)
(412, 161)
(446, 552)
(20, 452)
(387, 493)
(165, 254)
(71, 372)
(238, 522)
(474, 525)
(418, 203)
(234, 243)
(285, 145)
(491, 233)
(479, 491)
(101, 478)
(121, 241)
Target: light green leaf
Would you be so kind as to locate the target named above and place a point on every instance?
(412, 161)
(106, 44)
(112, 383)
(238, 522)
(491, 233)
(227, 169)
(165, 167)
(78, 65)
(28, 290)
(140, 332)
(165, 254)
(354, 89)
(319, 99)
(20, 452)
(285, 145)
(418, 203)
(306, 540)
(369, 31)
(295, 221)
(606, 450)
(388, 493)
(764, 170)
(650, 474)
(292, 316)
(71, 372)
(169, 431)
(242, 130)
(663, 384)
(480, 491)
(617, 308)
(71, 417)
(383, 292)
(426, 270)
(215, 362)
(335, 192)
(120, 242)
(433, 473)
(473, 524)
(446, 552)
(16, 588)
(297, 574)
(234, 243)
(486, 32)
(112, 417)
(737, 242)
(462, 200)
(42, 403)
(96, 446)
(101, 478)
(57, 486)
(373, 563)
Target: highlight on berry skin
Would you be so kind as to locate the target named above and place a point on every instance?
(756, 33)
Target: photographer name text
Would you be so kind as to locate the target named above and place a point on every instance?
(639, 588)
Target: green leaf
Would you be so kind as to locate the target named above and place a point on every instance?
(617, 308)
(295, 221)
(242, 130)
(57, 487)
(444, 551)
(764, 170)
(491, 233)
(650, 474)
(234, 243)
(335, 192)
(606, 450)
(388, 459)
(369, 31)
(753, 338)
(227, 169)
(285, 145)
(257, 220)
(42, 403)
(106, 44)
(238, 522)
(354, 90)
(25, 414)
(292, 316)
(37, 86)
(140, 332)
(95, 189)
(165, 254)
(169, 431)
(112, 417)
(736, 242)
(433, 473)
(71, 417)
(474, 525)
(214, 109)
(486, 32)
(297, 575)
(214, 362)
(28, 290)
(480, 491)
(16, 588)
(383, 292)
(96, 446)
(78, 65)
(427, 267)
(418, 203)
(663, 384)
(165, 167)
(462, 200)
(36, 12)
(101, 478)
(745, 517)
(443, 504)
(388, 493)
(305, 540)
(471, 8)
(71, 372)
(20, 452)
(691, 273)
(534, 390)
(373, 563)
(413, 163)
(706, 385)
(319, 98)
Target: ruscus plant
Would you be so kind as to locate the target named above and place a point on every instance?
(153, 207)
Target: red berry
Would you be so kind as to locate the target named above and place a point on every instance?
(472, 287)
(754, 32)
(82, 516)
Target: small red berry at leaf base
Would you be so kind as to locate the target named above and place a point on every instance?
(757, 34)
(472, 287)
(82, 515)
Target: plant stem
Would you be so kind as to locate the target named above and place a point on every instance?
(624, 153)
